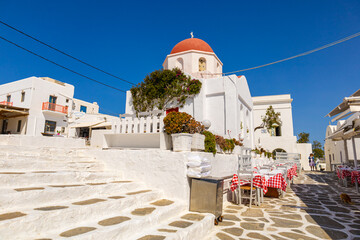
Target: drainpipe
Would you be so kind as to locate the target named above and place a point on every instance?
(346, 151)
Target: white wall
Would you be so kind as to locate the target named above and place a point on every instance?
(281, 104)
(163, 170)
(304, 149)
(40, 141)
(90, 107)
(335, 152)
(188, 62)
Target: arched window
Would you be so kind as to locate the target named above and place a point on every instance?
(202, 64)
(180, 63)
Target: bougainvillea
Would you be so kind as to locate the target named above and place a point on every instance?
(163, 88)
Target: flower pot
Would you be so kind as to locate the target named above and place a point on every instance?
(181, 142)
(198, 142)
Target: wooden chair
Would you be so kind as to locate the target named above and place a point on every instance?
(248, 191)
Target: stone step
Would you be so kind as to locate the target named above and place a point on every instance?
(33, 151)
(125, 224)
(16, 199)
(185, 226)
(45, 157)
(25, 165)
(35, 178)
(67, 215)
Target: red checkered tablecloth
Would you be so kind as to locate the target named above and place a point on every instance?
(343, 173)
(355, 174)
(258, 182)
(234, 183)
(292, 172)
(277, 181)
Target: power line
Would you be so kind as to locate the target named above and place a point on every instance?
(301, 54)
(66, 54)
(82, 75)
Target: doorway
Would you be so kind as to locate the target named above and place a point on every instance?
(4, 126)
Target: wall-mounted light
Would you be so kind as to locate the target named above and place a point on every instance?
(206, 123)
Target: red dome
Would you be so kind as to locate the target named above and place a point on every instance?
(191, 44)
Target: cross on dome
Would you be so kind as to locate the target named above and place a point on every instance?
(192, 35)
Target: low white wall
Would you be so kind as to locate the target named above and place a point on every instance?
(41, 141)
(97, 137)
(162, 169)
(137, 140)
(304, 149)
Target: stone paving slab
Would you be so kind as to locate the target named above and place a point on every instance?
(311, 209)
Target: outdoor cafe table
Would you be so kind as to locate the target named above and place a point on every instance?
(355, 175)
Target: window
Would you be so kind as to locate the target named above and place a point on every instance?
(8, 98)
(278, 131)
(19, 126)
(52, 99)
(67, 100)
(83, 108)
(22, 96)
(202, 64)
(180, 63)
(50, 126)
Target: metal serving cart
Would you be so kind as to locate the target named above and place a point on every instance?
(206, 196)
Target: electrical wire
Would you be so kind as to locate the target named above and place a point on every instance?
(66, 54)
(70, 70)
(301, 54)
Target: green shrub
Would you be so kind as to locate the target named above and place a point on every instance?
(162, 89)
(225, 144)
(210, 143)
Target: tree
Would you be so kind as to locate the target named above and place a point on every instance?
(271, 119)
(163, 88)
(317, 149)
(303, 137)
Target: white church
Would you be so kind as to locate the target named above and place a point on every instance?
(227, 103)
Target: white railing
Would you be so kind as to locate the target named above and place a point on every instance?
(282, 157)
(147, 124)
(244, 159)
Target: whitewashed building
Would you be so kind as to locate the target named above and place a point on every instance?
(280, 138)
(225, 101)
(38, 106)
(342, 141)
(45, 103)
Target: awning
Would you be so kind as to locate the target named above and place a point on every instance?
(7, 111)
(337, 136)
(86, 124)
(352, 102)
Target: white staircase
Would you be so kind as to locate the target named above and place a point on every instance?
(53, 193)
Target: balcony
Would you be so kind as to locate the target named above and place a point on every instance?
(6, 103)
(52, 107)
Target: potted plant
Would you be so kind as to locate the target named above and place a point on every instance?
(198, 139)
(177, 125)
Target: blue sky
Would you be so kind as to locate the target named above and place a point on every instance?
(132, 38)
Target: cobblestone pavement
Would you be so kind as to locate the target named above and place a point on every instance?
(311, 209)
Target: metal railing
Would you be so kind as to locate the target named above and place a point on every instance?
(54, 107)
(6, 103)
